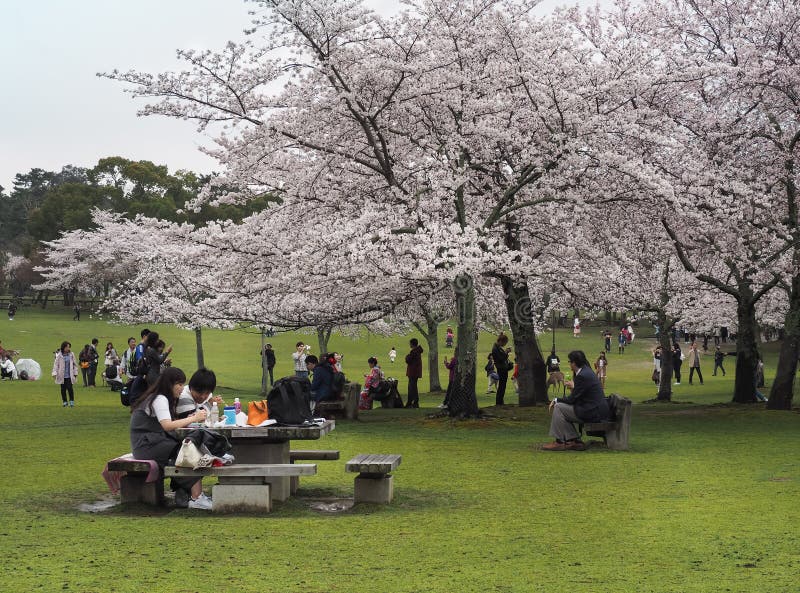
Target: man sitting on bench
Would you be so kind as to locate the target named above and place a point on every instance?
(586, 403)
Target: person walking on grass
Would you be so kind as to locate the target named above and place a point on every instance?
(269, 356)
(586, 403)
(94, 357)
(677, 361)
(414, 372)
(694, 363)
(65, 372)
(622, 340)
(719, 356)
(600, 366)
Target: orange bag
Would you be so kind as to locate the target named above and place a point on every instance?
(257, 412)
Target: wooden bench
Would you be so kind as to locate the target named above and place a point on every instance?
(373, 482)
(308, 455)
(346, 406)
(243, 486)
(134, 486)
(614, 432)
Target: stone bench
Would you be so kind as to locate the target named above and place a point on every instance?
(134, 486)
(346, 406)
(243, 487)
(309, 455)
(614, 432)
(373, 482)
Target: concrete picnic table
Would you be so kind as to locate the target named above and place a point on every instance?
(268, 445)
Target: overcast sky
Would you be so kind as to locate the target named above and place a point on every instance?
(55, 111)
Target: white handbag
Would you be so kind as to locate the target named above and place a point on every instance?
(189, 455)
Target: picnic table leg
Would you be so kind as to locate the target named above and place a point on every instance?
(266, 453)
(133, 488)
(377, 488)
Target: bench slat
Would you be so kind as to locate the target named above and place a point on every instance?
(132, 467)
(373, 464)
(244, 470)
(322, 455)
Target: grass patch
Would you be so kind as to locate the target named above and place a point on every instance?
(705, 500)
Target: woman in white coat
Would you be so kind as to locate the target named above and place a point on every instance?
(65, 371)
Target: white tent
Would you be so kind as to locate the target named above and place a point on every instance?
(31, 367)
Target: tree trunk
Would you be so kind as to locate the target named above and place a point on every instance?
(532, 380)
(323, 337)
(431, 335)
(463, 401)
(198, 338)
(782, 392)
(746, 349)
(46, 299)
(664, 340)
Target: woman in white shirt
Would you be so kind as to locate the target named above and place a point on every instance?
(152, 437)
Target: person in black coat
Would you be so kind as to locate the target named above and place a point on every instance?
(269, 355)
(586, 403)
(500, 356)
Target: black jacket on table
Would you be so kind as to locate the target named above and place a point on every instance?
(587, 397)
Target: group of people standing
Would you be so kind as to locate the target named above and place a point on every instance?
(142, 362)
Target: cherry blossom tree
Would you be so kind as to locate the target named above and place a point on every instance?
(453, 126)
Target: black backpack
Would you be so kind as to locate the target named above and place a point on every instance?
(289, 401)
(140, 367)
(135, 387)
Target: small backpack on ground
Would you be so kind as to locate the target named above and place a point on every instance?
(289, 401)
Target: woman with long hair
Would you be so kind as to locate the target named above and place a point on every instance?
(153, 420)
(85, 358)
(65, 371)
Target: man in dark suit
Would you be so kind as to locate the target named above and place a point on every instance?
(586, 403)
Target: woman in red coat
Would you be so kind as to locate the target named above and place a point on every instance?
(413, 372)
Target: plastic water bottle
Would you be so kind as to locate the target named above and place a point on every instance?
(213, 418)
(237, 405)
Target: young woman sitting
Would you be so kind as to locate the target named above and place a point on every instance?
(153, 420)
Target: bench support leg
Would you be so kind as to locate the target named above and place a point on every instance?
(233, 498)
(377, 488)
(133, 488)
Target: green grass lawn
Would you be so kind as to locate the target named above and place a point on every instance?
(705, 500)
